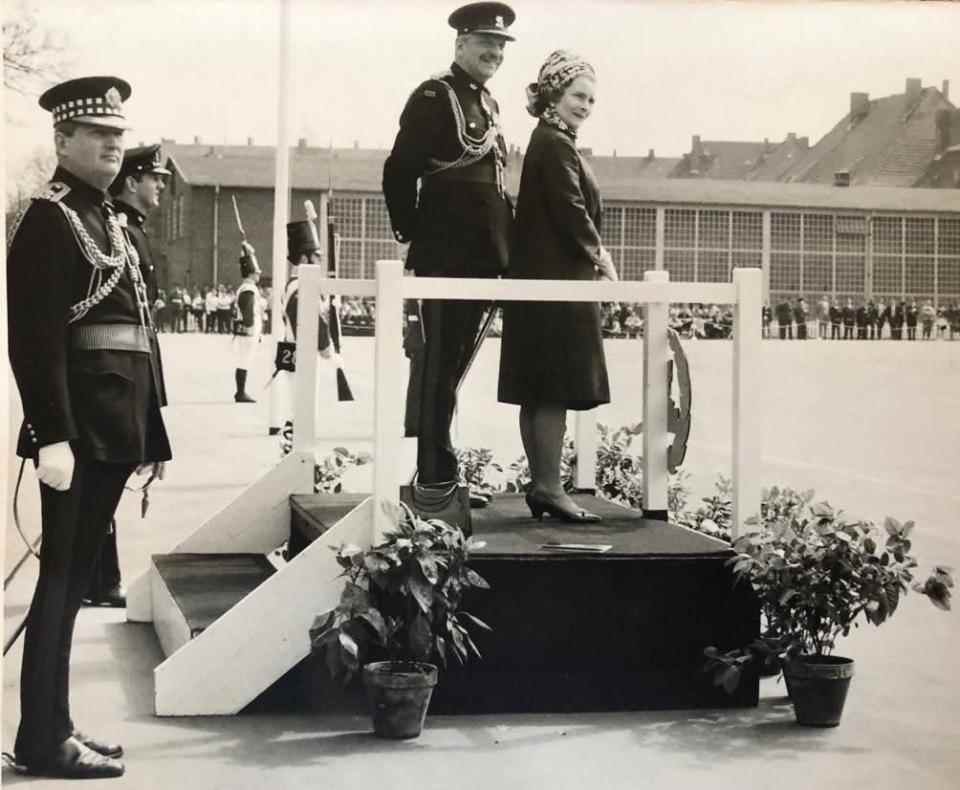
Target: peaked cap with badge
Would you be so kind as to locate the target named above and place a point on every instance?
(144, 159)
(491, 18)
(301, 240)
(95, 101)
(81, 347)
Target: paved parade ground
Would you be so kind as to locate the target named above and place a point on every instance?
(872, 426)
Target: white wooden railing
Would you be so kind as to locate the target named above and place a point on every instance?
(655, 292)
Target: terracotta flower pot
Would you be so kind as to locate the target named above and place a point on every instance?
(399, 694)
(818, 688)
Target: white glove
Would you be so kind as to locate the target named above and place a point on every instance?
(606, 270)
(327, 353)
(55, 465)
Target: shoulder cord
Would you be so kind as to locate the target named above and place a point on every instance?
(474, 149)
(99, 288)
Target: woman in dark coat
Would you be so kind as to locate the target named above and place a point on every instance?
(552, 353)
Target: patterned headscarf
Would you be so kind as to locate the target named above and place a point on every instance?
(560, 69)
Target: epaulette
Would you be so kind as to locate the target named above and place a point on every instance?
(432, 92)
(55, 191)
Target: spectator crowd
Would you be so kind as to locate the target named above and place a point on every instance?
(865, 320)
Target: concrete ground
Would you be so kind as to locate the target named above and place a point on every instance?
(873, 427)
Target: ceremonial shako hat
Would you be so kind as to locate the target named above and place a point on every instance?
(143, 159)
(248, 264)
(491, 18)
(301, 240)
(96, 101)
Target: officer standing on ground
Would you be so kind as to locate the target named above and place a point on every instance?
(136, 191)
(80, 349)
(458, 225)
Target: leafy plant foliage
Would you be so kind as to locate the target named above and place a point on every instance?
(818, 575)
(402, 598)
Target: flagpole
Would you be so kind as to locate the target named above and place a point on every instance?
(281, 199)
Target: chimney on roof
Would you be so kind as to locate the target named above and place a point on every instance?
(696, 147)
(791, 137)
(803, 142)
(841, 178)
(859, 105)
(302, 143)
(196, 139)
(914, 87)
(356, 145)
(249, 141)
(651, 155)
(943, 130)
(945, 90)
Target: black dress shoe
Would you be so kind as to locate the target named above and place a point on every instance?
(75, 761)
(100, 747)
(115, 597)
(242, 397)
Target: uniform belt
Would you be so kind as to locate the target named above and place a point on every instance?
(485, 174)
(110, 337)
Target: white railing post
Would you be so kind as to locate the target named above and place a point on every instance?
(656, 357)
(747, 410)
(585, 444)
(387, 414)
(305, 379)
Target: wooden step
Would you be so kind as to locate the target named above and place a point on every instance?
(191, 591)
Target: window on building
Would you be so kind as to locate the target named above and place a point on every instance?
(817, 273)
(377, 219)
(918, 274)
(680, 227)
(888, 235)
(785, 271)
(348, 213)
(611, 229)
(888, 274)
(818, 233)
(784, 231)
(350, 261)
(635, 262)
(680, 264)
(948, 237)
(714, 230)
(851, 274)
(948, 277)
(918, 236)
(639, 227)
(747, 232)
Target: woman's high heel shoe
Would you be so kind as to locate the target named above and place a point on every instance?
(540, 507)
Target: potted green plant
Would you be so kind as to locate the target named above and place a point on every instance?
(818, 575)
(399, 610)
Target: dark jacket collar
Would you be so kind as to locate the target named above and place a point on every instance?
(464, 79)
(134, 215)
(81, 187)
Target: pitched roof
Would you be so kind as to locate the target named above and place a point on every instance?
(620, 178)
(891, 145)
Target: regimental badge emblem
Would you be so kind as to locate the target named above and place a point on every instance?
(498, 22)
(112, 97)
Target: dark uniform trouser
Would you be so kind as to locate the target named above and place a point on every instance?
(74, 525)
(105, 574)
(451, 333)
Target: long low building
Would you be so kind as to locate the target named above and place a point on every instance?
(810, 239)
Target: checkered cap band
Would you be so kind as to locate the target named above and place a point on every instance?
(77, 108)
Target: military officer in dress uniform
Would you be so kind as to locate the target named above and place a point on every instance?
(458, 223)
(80, 349)
(136, 191)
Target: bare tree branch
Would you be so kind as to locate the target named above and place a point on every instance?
(33, 58)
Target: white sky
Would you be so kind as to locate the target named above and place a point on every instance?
(733, 71)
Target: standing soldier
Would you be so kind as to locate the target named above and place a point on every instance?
(800, 316)
(883, 316)
(458, 224)
(80, 349)
(823, 317)
(249, 321)
(911, 317)
(872, 318)
(136, 191)
(303, 249)
(860, 317)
